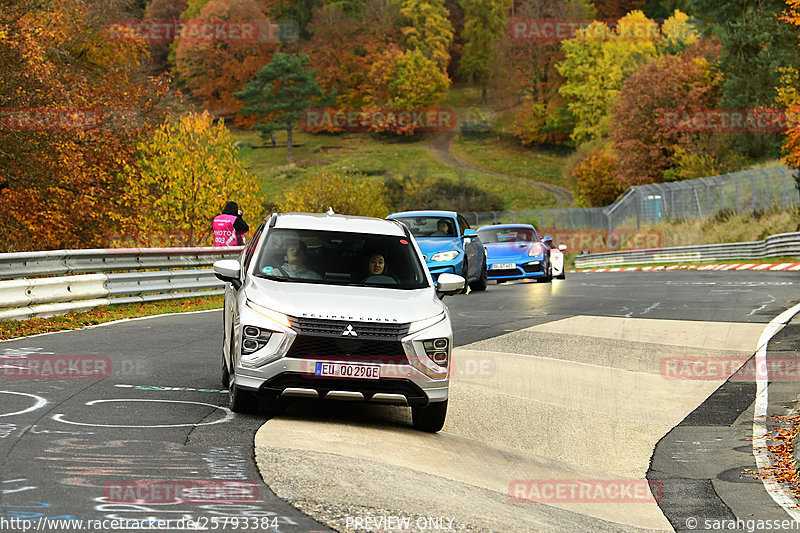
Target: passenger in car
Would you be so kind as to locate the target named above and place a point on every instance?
(376, 270)
(295, 257)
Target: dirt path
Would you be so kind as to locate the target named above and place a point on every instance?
(440, 145)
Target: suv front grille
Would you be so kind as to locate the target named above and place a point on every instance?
(335, 328)
(349, 349)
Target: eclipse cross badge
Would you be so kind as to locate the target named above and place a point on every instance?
(349, 331)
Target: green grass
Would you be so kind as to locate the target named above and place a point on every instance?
(361, 152)
(504, 155)
(11, 329)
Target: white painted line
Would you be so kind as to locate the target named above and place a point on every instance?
(781, 266)
(765, 265)
(796, 267)
(775, 490)
(746, 267)
(228, 415)
(40, 402)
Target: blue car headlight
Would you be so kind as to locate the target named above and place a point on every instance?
(536, 249)
(445, 256)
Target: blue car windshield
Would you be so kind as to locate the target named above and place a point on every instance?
(429, 226)
(339, 258)
(491, 235)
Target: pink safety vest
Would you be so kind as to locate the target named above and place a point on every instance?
(224, 234)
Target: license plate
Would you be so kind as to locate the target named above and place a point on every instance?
(346, 370)
(504, 266)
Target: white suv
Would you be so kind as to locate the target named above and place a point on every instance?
(339, 308)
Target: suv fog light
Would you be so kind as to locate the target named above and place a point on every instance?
(250, 345)
(255, 338)
(437, 350)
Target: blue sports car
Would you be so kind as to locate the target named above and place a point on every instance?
(515, 251)
(448, 243)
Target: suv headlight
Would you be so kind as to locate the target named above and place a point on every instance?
(275, 316)
(419, 325)
(445, 256)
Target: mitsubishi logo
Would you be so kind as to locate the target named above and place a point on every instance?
(349, 331)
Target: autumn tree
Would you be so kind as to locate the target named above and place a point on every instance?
(300, 11)
(347, 193)
(756, 43)
(279, 94)
(213, 69)
(615, 9)
(645, 124)
(184, 173)
(166, 10)
(406, 80)
(344, 46)
(597, 62)
(427, 28)
(74, 100)
(525, 73)
(789, 97)
(486, 21)
(596, 179)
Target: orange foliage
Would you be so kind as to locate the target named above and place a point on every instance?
(791, 145)
(59, 182)
(213, 70)
(596, 178)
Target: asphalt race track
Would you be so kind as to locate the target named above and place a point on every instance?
(562, 381)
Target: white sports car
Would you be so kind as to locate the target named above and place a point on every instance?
(556, 257)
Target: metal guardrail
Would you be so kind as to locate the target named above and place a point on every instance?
(104, 277)
(781, 245)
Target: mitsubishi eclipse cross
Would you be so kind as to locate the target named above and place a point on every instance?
(336, 307)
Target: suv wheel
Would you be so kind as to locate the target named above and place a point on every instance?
(429, 418)
(239, 400)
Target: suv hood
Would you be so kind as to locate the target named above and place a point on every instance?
(337, 301)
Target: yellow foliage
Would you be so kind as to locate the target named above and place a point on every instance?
(185, 173)
(347, 193)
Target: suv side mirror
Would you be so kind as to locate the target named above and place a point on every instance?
(449, 284)
(470, 234)
(228, 270)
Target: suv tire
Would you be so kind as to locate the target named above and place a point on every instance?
(429, 418)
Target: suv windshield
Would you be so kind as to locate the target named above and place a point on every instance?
(428, 226)
(507, 235)
(338, 258)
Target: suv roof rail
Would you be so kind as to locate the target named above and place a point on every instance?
(405, 228)
(273, 218)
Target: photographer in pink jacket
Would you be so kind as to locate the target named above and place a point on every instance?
(230, 227)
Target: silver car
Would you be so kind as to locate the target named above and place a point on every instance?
(338, 308)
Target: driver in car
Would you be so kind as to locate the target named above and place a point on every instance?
(295, 257)
(443, 227)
